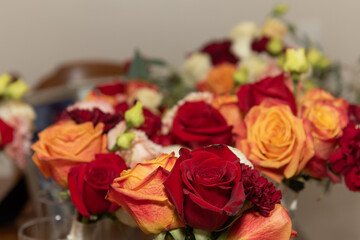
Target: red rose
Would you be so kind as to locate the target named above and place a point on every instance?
(6, 133)
(220, 52)
(95, 116)
(317, 167)
(112, 88)
(274, 88)
(205, 187)
(198, 124)
(89, 182)
(352, 179)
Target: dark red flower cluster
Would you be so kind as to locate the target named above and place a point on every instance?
(259, 191)
(95, 116)
(259, 44)
(220, 52)
(346, 159)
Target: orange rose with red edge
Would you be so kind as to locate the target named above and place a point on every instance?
(253, 226)
(278, 143)
(65, 145)
(229, 108)
(140, 191)
(220, 79)
(328, 117)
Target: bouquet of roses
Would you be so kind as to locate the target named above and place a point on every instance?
(287, 132)
(206, 193)
(16, 120)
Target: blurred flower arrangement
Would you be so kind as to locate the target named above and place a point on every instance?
(250, 101)
(16, 120)
(265, 92)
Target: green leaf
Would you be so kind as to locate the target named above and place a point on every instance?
(157, 62)
(138, 68)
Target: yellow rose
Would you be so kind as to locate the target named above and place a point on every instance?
(327, 115)
(65, 145)
(140, 191)
(295, 61)
(276, 142)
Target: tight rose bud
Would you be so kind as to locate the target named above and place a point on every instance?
(124, 140)
(241, 76)
(16, 90)
(295, 61)
(134, 116)
(5, 79)
(317, 59)
(280, 9)
(274, 46)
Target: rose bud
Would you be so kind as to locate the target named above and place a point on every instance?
(89, 183)
(134, 116)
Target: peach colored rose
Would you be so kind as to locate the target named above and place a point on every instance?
(65, 145)
(140, 191)
(103, 105)
(220, 79)
(95, 96)
(253, 226)
(327, 115)
(276, 142)
(229, 107)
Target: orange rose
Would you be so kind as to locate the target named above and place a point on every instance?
(327, 115)
(253, 226)
(276, 142)
(65, 145)
(140, 191)
(220, 79)
(229, 107)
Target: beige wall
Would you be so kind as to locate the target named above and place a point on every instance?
(36, 35)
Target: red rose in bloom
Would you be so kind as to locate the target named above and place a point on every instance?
(198, 124)
(95, 116)
(346, 158)
(89, 182)
(259, 45)
(354, 113)
(220, 52)
(6, 133)
(112, 88)
(205, 186)
(274, 88)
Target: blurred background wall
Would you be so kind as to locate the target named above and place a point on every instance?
(38, 35)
